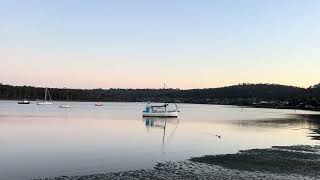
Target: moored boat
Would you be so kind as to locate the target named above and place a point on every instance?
(65, 106)
(98, 104)
(42, 102)
(45, 102)
(164, 110)
(25, 101)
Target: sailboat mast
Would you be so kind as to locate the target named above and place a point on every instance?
(45, 94)
(165, 100)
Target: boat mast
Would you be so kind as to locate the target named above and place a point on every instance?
(49, 96)
(165, 101)
(164, 86)
(45, 94)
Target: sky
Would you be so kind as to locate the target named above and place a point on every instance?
(143, 43)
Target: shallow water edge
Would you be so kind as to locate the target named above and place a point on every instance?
(278, 162)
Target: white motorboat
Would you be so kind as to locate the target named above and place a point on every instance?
(45, 102)
(160, 110)
(98, 104)
(25, 101)
(65, 106)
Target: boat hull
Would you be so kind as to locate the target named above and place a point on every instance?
(23, 102)
(65, 106)
(44, 103)
(160, 114)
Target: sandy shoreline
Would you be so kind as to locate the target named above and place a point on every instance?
(278, 162)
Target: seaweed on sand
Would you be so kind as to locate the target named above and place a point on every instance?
(302, 160)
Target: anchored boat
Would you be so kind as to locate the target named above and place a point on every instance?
(25, 101)
(66, 105)
(45, 102)
(165, 110)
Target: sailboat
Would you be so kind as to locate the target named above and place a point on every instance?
(66, 105)
(164, 110)
(98, 104)
(45, 102)
(160, 110)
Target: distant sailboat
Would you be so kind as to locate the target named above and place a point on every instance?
(66, 105)
(25, 101)
(45, 102)
(98, 104)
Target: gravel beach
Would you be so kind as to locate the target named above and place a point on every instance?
(278, 162)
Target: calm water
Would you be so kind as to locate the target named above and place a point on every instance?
(45, 141)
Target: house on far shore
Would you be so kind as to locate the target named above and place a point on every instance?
(266, 102)
(309, 106)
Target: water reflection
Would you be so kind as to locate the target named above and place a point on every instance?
(297, 121)
(162, 123)
(314, 121)
(48, 141)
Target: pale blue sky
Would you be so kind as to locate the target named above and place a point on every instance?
(139, 44)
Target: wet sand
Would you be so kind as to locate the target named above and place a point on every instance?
(300, 160)
(278, 162)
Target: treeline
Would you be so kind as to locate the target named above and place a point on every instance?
(242, 94)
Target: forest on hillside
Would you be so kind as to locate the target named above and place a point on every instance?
(242, 94)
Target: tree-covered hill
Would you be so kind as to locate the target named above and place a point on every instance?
(242, 94)
(248, 92)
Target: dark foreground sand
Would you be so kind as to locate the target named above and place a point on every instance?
(285, 162)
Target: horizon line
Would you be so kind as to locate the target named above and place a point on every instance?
(247, 83)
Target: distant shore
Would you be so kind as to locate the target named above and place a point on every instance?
(240, 106)
(255, 95)
(243, 106)
(283, 107)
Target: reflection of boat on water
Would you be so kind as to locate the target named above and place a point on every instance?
(164, 110)
(162, 123)
(159, 122)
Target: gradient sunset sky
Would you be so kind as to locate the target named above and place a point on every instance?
(144, 43)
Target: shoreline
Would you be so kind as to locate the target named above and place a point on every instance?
(284, 107)
(277, 162)
(240, 106)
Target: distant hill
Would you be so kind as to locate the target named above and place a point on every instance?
(253, 92)
(315, 86)
(242, 94)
